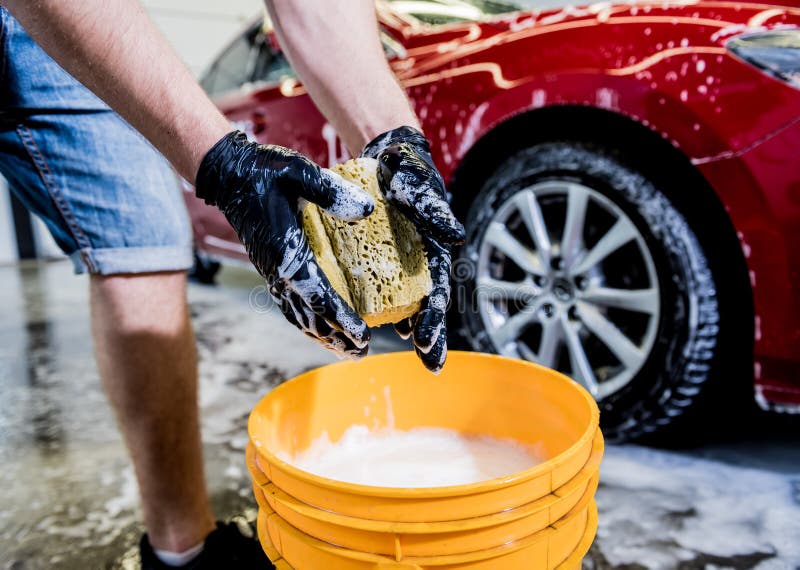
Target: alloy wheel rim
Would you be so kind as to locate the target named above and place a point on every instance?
(552, 287)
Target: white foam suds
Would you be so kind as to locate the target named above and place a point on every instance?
(420, 457)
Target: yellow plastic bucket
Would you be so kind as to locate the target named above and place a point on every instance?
(572, 562)
(558, 546)
(311, 522)
(401, 540)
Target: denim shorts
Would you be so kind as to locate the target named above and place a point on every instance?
(110, 200)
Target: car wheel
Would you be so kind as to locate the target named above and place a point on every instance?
(204, 269)
(576, 261)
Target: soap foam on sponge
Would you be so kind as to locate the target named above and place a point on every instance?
(420, 457)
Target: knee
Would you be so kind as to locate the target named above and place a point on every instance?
(152, 304)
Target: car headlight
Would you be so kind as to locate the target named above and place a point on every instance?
(776, 53)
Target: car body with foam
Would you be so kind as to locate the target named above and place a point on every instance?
(627, 174)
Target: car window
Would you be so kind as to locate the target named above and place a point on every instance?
(235, 66)
(392, 48)
(271, 65)
(252, 58)
(448, 11)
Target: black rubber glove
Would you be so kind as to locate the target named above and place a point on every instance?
(410, 181)
(261, 189)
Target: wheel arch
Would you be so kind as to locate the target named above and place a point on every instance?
(635, 143)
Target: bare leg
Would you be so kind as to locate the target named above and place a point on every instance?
(146, 355)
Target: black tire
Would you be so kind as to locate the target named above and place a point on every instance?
(671, 389)
(204, 270)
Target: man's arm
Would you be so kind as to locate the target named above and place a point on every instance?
(335, 48)
(113, 48)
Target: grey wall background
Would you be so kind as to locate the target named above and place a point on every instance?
(197, 30)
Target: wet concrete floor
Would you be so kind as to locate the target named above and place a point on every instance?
(68, 498)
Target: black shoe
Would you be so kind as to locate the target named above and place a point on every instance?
(226, 548)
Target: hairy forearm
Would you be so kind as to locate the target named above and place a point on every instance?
(335, 48)
(113, 48)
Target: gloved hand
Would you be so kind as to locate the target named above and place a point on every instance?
(261, 190)
(410, 181)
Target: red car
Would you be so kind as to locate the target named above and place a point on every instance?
(629, 179)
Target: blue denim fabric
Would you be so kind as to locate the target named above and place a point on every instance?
(110, 200)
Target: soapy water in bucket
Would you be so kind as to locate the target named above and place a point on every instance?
(419, 457)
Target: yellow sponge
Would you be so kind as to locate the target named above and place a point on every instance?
(378, 264)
